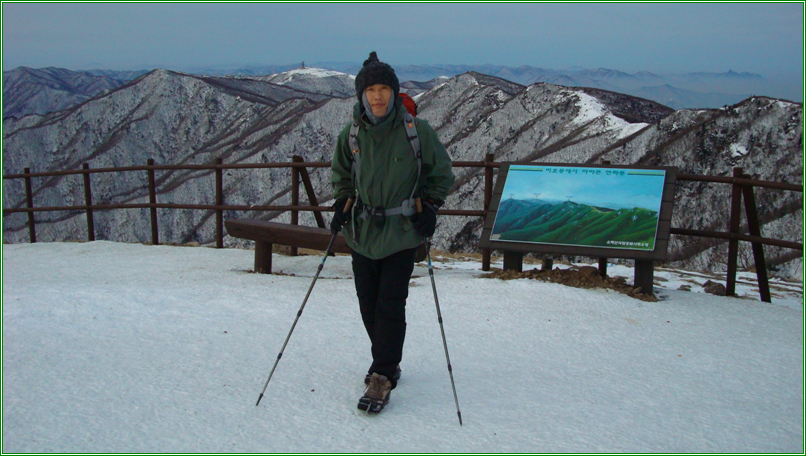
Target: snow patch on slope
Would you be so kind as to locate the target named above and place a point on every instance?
(738, 150)
(591, 109)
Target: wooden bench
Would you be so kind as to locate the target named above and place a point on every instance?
(265, 234)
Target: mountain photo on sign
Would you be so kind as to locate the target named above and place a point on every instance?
(614, 208)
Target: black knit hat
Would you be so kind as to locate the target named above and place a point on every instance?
(375, 72)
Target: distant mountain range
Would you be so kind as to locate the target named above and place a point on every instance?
(677, 91)
(181, 118)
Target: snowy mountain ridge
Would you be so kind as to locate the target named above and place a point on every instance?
(181, 118)
(676, 90)
(335, 83)
(313, 72)
(29, 91)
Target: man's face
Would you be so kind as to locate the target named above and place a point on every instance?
(378, 96)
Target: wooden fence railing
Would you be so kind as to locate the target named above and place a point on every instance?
(742, 188)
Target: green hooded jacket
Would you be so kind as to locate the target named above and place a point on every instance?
(388, 176)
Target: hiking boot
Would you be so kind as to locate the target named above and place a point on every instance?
(376, 396)
(395, 377)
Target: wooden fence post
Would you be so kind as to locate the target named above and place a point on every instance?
(152, 200)
(733, 243)
(306, 181)
(294, 201)
(219, 201)
(488, 196)
(758, 249)
(88, 201)
(29, 201)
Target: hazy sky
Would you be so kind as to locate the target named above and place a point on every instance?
(764, 38)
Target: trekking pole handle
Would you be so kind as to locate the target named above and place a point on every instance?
(348, 205)
(419, 203)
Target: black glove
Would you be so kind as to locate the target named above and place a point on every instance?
(340, 217)
(425, 222)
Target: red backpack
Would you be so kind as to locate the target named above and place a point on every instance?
(409, 103)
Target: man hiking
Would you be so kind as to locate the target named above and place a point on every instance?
(386, 165)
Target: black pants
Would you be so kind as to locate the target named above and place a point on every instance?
(382, 287)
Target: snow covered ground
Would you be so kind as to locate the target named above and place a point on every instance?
(111, 347)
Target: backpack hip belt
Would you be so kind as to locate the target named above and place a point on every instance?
(406, 209)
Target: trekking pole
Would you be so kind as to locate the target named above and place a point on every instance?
(439, 316)
(299, 313)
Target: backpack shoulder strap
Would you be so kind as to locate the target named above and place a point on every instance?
(353, 138)
(355, 171)
(414, 140)
(411, 134)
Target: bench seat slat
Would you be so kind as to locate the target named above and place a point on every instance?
(285, 234)
(266, 233)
